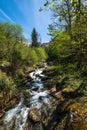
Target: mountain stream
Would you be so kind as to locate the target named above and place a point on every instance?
(17, 118)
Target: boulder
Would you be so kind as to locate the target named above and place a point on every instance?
(77, 116)
(34, 115)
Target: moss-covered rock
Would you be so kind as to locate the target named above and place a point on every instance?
(77, 117)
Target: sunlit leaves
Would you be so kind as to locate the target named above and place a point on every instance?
(53, 5)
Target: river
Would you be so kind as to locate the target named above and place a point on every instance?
(39, 100)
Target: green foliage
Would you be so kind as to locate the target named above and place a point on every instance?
(60, 47)
(12, 32)
(41, 53)
(70, 56)
(52, 31)
(79, 30)
(6, 82)
(33, 57)
(69, 47)
(10, 36)
(65, 14)
(13, 47)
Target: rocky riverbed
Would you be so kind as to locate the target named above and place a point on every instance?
(43, 107)
(32, 111)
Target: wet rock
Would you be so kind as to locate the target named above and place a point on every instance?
(35, 88)
(29, 78)
(34, 115)
(40, 98)
(45, 78)
(42, 77)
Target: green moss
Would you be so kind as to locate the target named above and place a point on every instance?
(6, 82)
(79, 126)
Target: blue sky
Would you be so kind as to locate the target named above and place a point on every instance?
(26, 13)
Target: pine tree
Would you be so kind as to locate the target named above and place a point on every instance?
(34, 37)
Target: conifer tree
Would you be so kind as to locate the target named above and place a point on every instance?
(34, 38)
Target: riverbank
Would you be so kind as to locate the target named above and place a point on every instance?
(71, 110)
(11, 86)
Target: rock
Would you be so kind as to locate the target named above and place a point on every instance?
(77, 116)
(2, 113)
(28, 77)
(1, 122)
(52, 90)
(35, 88)
(40, 65)
(49, 72)
(27, 127)
(40, 98)
(41, 75)
(45, 78)
(34, 115)
(49, 83)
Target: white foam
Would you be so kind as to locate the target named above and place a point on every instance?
(21, 118)
(40, 94)
(11, 113)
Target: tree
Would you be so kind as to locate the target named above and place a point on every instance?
(34, 37)
(65, 13)
(70, 16)
(11, 35)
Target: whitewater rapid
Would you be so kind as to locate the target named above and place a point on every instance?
(17, 116)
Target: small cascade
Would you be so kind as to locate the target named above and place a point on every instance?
(11, 113)
(17, 116)
(21, 119)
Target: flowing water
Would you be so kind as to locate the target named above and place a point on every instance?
(16, 118)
